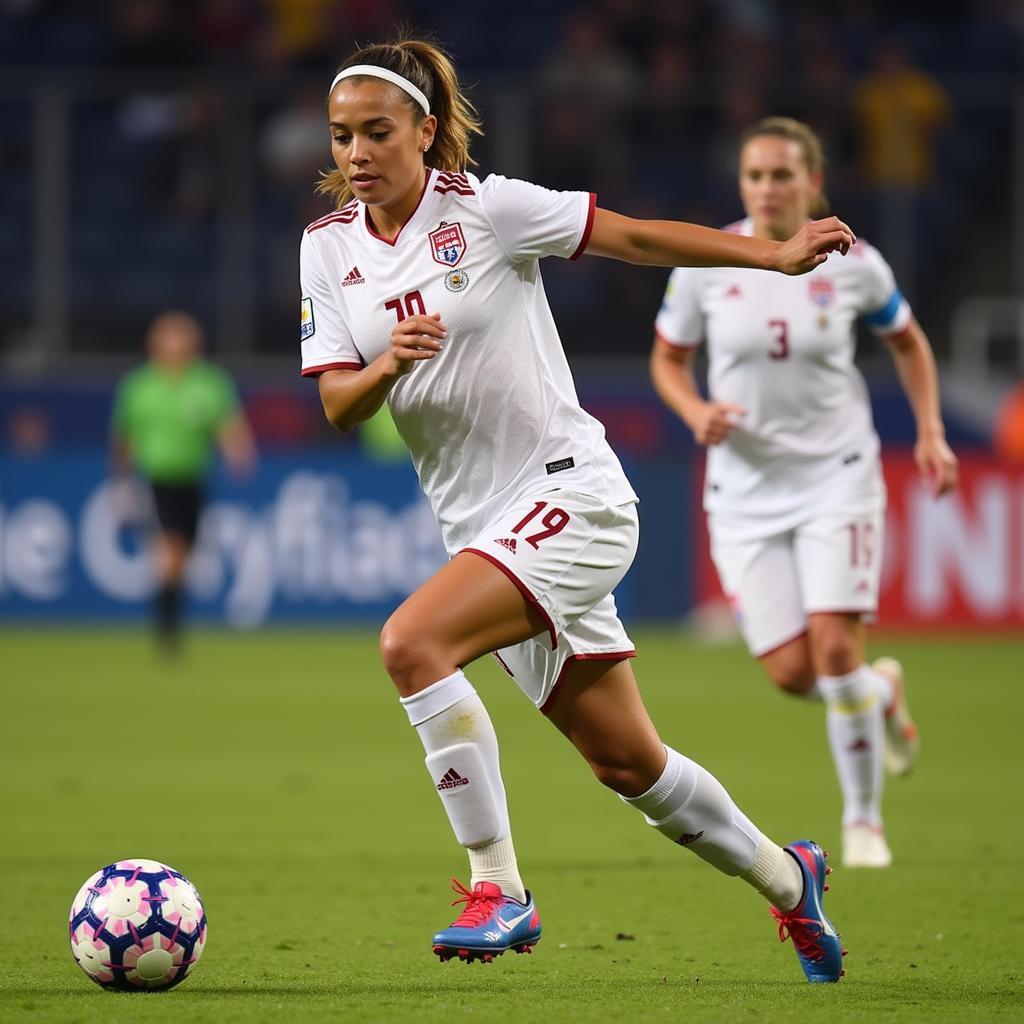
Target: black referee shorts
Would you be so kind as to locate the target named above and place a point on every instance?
(177, 508)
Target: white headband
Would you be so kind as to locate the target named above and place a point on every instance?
(373, 71)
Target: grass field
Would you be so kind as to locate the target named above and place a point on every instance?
(277, 771)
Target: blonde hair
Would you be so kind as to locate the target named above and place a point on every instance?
(806, 138)
(431, 70)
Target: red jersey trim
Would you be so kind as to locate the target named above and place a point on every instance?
(523, 589)
(600, 656)
(347, 219)
(448, 181)
(394, 241)
(501, 661)
(677, 344)
(588, 227)
(346, 214)
(315, 371)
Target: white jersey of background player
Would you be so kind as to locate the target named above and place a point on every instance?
(793, 490)
(424, 291)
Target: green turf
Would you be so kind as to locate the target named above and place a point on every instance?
(278, 772)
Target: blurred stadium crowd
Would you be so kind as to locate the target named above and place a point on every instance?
(160, 154)
(179, 143)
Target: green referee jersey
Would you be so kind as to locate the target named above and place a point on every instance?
(170, 420)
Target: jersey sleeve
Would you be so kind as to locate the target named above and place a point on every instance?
(882, 304)
(531, 222)
(680, 320)
(325, 339)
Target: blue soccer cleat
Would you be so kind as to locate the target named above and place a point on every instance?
(489, 924)
(816, 940)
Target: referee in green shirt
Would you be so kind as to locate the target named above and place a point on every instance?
(170, 415)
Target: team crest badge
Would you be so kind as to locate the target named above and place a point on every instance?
(822, 291)
(448, 245)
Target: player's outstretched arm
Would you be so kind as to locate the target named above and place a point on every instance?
(669, 243)
(915, 365)
(351, 397)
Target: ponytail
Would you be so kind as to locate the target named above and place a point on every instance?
(431, 70)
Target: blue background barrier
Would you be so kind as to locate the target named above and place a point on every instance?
(322, 532)
(318, 536)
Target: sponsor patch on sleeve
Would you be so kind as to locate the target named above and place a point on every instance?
(307, 326)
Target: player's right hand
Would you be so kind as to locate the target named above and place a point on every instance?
(414, 339)
(715, 421)
(810, 246)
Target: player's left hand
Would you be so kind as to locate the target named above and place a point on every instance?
(936, 463)
(811, 245)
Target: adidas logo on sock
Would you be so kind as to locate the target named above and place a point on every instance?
(353, 277)
(452, 780)
(507, 542)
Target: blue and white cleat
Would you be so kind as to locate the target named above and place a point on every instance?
(489, 924)
(816, 940)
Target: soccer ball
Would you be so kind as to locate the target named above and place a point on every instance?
(137, 924)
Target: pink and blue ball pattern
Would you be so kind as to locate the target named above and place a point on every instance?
(137, 924)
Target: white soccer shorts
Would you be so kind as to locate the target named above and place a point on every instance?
(832, 563)
(566, 552)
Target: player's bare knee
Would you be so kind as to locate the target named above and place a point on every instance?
(403, 651)
(795, 680)
(793, 675)
(620, 775)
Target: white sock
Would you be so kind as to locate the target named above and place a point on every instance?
(855, 725)
(691, 807)
(776, 875)
(496, 862)
(462, 758)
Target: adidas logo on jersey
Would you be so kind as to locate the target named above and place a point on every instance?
(452, 780)
(353, 277)
(507, 542)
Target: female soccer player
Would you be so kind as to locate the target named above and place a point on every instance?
(423, 290)
(794, 493)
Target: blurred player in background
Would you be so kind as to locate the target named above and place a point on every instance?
(169, 416)
(794, 492)
(423, 290)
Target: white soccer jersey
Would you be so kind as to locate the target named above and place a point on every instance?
(782, 348)
(495, 414)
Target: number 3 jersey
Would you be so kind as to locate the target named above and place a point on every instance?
(495, 415)
(782, 348)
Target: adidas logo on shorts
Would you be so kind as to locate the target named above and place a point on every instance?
(507, 542)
